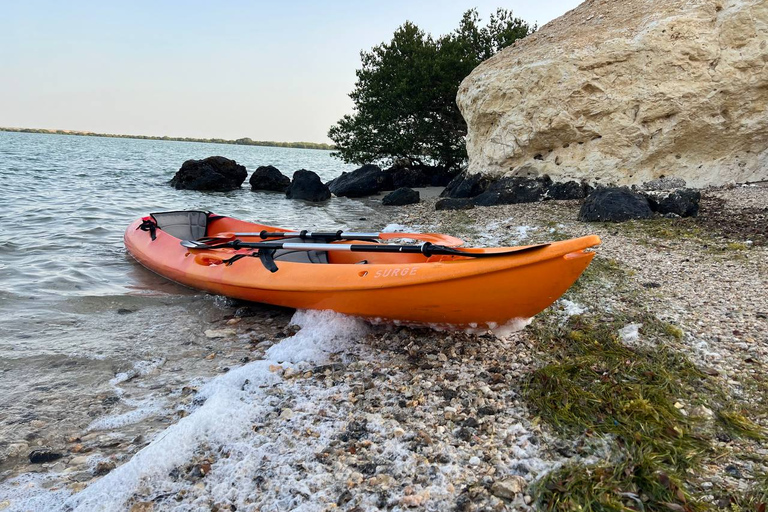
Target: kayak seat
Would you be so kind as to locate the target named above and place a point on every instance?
(184, 225)
(300, 256)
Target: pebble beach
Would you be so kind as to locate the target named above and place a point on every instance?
(317, 411)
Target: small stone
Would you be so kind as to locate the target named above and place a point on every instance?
(43, 455)
(37, 423)
(220, 333)
(103, 467)
(355, 479)
(289, 372)
(211, 356)
(702, 412)
(79, 460)
(144, 506)
(286, 414)
(509, 487)
(16, 449)
(398, 432)
(233, 321)
(415, 500)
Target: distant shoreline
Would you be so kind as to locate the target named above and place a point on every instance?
(240, 142)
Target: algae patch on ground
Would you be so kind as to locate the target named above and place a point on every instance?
(637, 397)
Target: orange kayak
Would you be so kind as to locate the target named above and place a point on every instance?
(416, 287)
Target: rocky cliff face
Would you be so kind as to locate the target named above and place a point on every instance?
(626, 91)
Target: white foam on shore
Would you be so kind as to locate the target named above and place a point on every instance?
(322, 333)
(394, 228)
(224, 426)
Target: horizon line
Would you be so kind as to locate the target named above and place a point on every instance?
(243, 141)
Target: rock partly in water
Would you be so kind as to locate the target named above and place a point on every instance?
(681, 201)
(400, 197)
(307, 185)
(215, 173)
(614, 204)
(466, 185)
(454, 203)
(626, 92)
(268, 177)
(365, 181)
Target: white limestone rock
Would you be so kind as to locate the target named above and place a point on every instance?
(627, 91)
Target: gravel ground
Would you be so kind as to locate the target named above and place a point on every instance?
(408, 418)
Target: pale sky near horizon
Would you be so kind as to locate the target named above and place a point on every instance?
(265, 70)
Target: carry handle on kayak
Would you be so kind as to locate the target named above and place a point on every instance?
(266, 249)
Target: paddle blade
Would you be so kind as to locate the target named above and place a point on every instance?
(435, 238)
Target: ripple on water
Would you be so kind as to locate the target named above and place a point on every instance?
(75, 310)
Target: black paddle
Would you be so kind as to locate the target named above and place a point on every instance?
(427, 248)
(325, 237)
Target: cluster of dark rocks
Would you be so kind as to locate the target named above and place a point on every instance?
(470, 190)
(619, 204)
(221, 174)
(664, 196)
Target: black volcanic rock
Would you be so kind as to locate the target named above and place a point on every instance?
(307, 185)
(365, 181)
(614, 204)
(680, 201)
(401, 196)
(268, 177)
(567, 190)
(42, 455)
(215, 173)
(411, 178)
(466, 185)
(514, 190)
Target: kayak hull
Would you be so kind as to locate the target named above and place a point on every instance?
(409, 288)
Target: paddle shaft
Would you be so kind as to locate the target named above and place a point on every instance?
(427, 248)
(338, 235)
(326, 237)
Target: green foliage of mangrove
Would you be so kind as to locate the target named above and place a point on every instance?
(405, 94)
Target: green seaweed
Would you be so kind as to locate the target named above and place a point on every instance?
(594, 383)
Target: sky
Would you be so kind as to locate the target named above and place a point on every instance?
(227, 69)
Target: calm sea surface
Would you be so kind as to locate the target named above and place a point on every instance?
(74, 308)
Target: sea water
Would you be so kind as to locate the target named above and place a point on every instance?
(79, 319)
